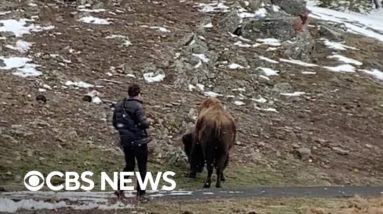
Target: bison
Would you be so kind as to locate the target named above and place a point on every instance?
(214, 135)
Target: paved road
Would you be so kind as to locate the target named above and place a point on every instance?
(278, 192)
(15, 201)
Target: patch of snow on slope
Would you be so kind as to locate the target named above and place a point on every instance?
(212, 7)
(268, 60)
(161, 29)
(268, 71)
(126, 43)
(239, 103)
(367, 25)
(298, 62)
(202, 57)
(235, 66)
(345, 59)
(342, 68)
(2, 13)
(22, 65)
(91, 10)
(151, 77)
(19, 27)
(94, 20)
(337, 45)
(211, 94)
(242, 45)
(21, 46)
(79, 84)
(294, 94)
(270, 41)
(375, 73)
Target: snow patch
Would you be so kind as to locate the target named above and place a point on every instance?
(298, 62)
(239, 103)
(208, 25)
(342, 68)
(242, 45)
(270, 42)
(202, 57)
(345, 59)
(94, 20)
(268, 60)
(212, 7)
(268, 71)
(79, 84)
(337, 45)
(151, 77)
(262, 12)
(19, 27)
(91, 10)
(161, 29)
(309, 72)
(211, 94)
(126, 43)
(294, 94)
(259, 99)
(367, 25)
(22, 65)
(2, 13)
(235, 66)
(21, 46)
(375, 73)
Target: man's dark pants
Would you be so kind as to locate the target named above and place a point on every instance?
(132, 153)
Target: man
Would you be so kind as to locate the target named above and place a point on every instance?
(130, 121)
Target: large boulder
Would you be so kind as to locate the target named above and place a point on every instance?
(271, 27)
(300, 47)
(293, 7)
(230, 22)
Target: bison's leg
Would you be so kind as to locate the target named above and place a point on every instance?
(224, 167)
(209, 156)
(195, 159)
(220, 166)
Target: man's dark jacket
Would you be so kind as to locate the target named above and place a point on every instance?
(130, 121)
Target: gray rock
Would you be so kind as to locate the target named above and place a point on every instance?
(275, 27)
(2, 64)
(255, 4)
(331, 33)
(293, 7)
(230, 22)
(340, 151)
(304, 153)
(301, 47)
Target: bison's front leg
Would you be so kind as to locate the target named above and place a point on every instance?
(209, 174)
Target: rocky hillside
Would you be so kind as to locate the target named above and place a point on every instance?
(305, 93)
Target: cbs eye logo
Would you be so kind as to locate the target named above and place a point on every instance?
(34, 180)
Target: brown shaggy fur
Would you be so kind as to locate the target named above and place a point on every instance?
(215, 132)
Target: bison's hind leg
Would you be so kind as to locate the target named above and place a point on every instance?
(220, 166)
(224, 167)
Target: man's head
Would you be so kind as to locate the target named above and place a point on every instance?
(134, 90)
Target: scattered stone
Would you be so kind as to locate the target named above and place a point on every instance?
(340, 151)
(331, 33)
(41, 98)
(304, 153)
